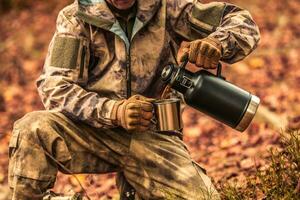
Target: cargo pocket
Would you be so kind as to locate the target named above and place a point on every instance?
(12, 147)
(13, 143)
(205, 18)
(35, 157)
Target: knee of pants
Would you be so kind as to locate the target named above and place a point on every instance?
(27, 128)
(34, 138)
(36, 128)
(33, 121)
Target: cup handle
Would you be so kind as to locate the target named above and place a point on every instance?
(165, 92)
(153, 120)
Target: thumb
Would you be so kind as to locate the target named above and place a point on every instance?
(150, 100)
(184, 57)
(185, 52)
(143, 98)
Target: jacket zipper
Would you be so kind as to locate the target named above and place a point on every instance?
(128, 73)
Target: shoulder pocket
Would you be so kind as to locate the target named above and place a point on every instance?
(205, 18)
(65, 52)
(71, 53)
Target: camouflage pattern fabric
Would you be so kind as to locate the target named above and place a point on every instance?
(85, 74)
(157, 165)
(53, 196)
(85, 69)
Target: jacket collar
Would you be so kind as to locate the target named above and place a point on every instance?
(97, 13)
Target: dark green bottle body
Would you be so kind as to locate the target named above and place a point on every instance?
(210, 94)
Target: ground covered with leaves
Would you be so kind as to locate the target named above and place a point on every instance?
(231, 158)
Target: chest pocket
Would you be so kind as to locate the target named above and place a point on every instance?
(101, 51)
(205, 18)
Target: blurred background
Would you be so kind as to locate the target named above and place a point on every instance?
(272, 72)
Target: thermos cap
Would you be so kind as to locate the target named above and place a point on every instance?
(249, 114)
(167, 72)
(213, 95)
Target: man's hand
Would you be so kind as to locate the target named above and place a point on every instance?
(134, 114)
(204, 53)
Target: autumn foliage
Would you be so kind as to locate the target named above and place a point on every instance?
(241, 164)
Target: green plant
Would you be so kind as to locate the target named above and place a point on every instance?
(279, 180)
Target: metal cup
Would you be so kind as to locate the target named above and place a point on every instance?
(168, 115)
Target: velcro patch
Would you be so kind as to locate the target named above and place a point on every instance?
(65, 52)
(208, 16)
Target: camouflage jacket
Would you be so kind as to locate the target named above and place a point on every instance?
(89, 56)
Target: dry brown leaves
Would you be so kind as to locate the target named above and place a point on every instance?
(272, 73)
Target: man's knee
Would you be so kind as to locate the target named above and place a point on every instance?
(34, 120)
(34, 137)
(39, 131)
(35, 140)
(32, 127)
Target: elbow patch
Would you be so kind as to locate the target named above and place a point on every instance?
(65, 52)
(205, 18)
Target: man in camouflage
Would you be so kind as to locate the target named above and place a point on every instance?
(101, 75)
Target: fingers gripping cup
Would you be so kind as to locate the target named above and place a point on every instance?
(168, 115)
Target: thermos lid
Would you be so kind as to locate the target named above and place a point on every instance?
(249, 114)
(167, 72)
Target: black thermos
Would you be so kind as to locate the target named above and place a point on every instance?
(213, 95)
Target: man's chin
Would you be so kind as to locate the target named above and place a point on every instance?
(123, 4)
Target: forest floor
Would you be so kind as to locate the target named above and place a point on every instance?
(272, 72)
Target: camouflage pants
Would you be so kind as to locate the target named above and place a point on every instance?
(157, 165)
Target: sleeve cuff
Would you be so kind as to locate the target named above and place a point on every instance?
(107, 110)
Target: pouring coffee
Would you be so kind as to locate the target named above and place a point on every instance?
(213, 95)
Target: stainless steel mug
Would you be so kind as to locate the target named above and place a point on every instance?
(168, 115)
